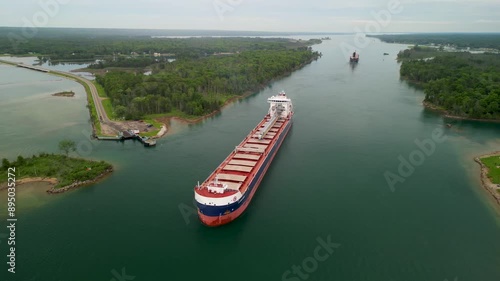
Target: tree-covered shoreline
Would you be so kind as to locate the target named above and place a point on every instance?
(460, 83)
(199, 86)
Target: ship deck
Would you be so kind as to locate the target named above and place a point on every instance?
(239, 168)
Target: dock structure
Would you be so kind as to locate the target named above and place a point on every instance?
(146, 141)
(32, 67)
(127, 135)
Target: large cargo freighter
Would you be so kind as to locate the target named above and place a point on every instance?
(226, 193)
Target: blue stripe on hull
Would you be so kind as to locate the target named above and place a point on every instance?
(216, 211)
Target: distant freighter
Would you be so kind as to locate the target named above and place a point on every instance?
(354, 57)
(226, 193)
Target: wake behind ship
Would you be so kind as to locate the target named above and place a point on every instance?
(226, 193)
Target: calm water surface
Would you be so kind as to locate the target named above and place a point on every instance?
(350, 126)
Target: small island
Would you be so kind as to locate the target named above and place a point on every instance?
(69, 94)
(490, 173)
(60, 170)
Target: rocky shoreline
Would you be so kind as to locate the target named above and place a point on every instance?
(486, 182)
(79, 183)
(53, 182)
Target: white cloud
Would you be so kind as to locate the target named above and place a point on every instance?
(271, 15)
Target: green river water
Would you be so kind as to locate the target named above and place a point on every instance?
(326, 182)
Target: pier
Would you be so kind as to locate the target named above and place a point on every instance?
(127, 135)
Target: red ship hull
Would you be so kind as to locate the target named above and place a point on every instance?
(225, 219)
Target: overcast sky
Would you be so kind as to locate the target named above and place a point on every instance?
(259, 15)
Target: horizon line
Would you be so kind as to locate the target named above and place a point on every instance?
(258, 31)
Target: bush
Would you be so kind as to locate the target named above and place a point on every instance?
(5, 164)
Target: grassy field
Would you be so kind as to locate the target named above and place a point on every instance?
(103, 71)
(93, 111)
(493, 164)
(100, 90)
(108, 107)
(67, 170)
(154, 130)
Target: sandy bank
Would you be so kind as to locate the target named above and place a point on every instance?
(52, 181)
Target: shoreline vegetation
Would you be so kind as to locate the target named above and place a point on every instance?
(60, 171)
(458, 82)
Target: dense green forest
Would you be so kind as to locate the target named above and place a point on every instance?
(64, 45)
(207, 71)
(459, 40)
(199, 86)
(461, 83)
